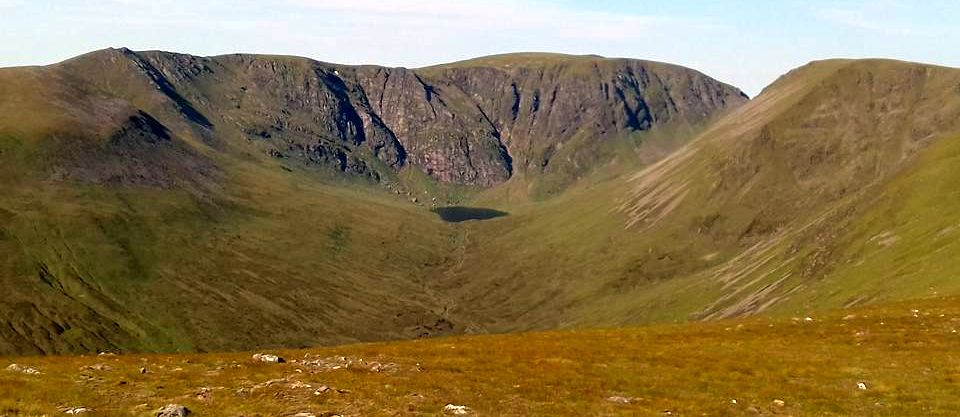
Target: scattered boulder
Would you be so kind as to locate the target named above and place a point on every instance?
(457, 410)
(298, 385)
(76, 410)
(342, 362)
(381, 367)
(97, 367)
(269, 383)
(268, 357)
(22, 369)
(173, 410)
(203, 394)
(779, 403)
(619, 399)
(861, 386)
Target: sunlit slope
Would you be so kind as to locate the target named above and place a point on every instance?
(781, 206)
(892, 359)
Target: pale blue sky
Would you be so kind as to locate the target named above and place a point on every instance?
(745, 43)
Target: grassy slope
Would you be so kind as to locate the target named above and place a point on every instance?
(311, 260)
(855, 151)
(902, 352)
(904, 244)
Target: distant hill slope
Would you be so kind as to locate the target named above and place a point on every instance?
(156, 201)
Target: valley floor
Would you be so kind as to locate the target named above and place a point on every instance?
(897, 359)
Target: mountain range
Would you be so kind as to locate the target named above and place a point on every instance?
(154, 201)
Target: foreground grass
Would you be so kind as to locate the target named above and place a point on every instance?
(904, 353)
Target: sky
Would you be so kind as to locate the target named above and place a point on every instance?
(745, 43)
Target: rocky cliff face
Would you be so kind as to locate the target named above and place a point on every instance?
(539, 102)
(444, 134)
(475, 122)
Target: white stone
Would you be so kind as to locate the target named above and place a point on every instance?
(457, 410)
(267, 357)
(22, 369)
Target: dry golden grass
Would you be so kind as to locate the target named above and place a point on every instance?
(904, 353)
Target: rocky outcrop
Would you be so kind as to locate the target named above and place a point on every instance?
(445, 135)
(22, 369)
(477, 122)
(267, 357)
(173, 410)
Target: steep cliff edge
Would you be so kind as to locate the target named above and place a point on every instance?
(539, 103)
